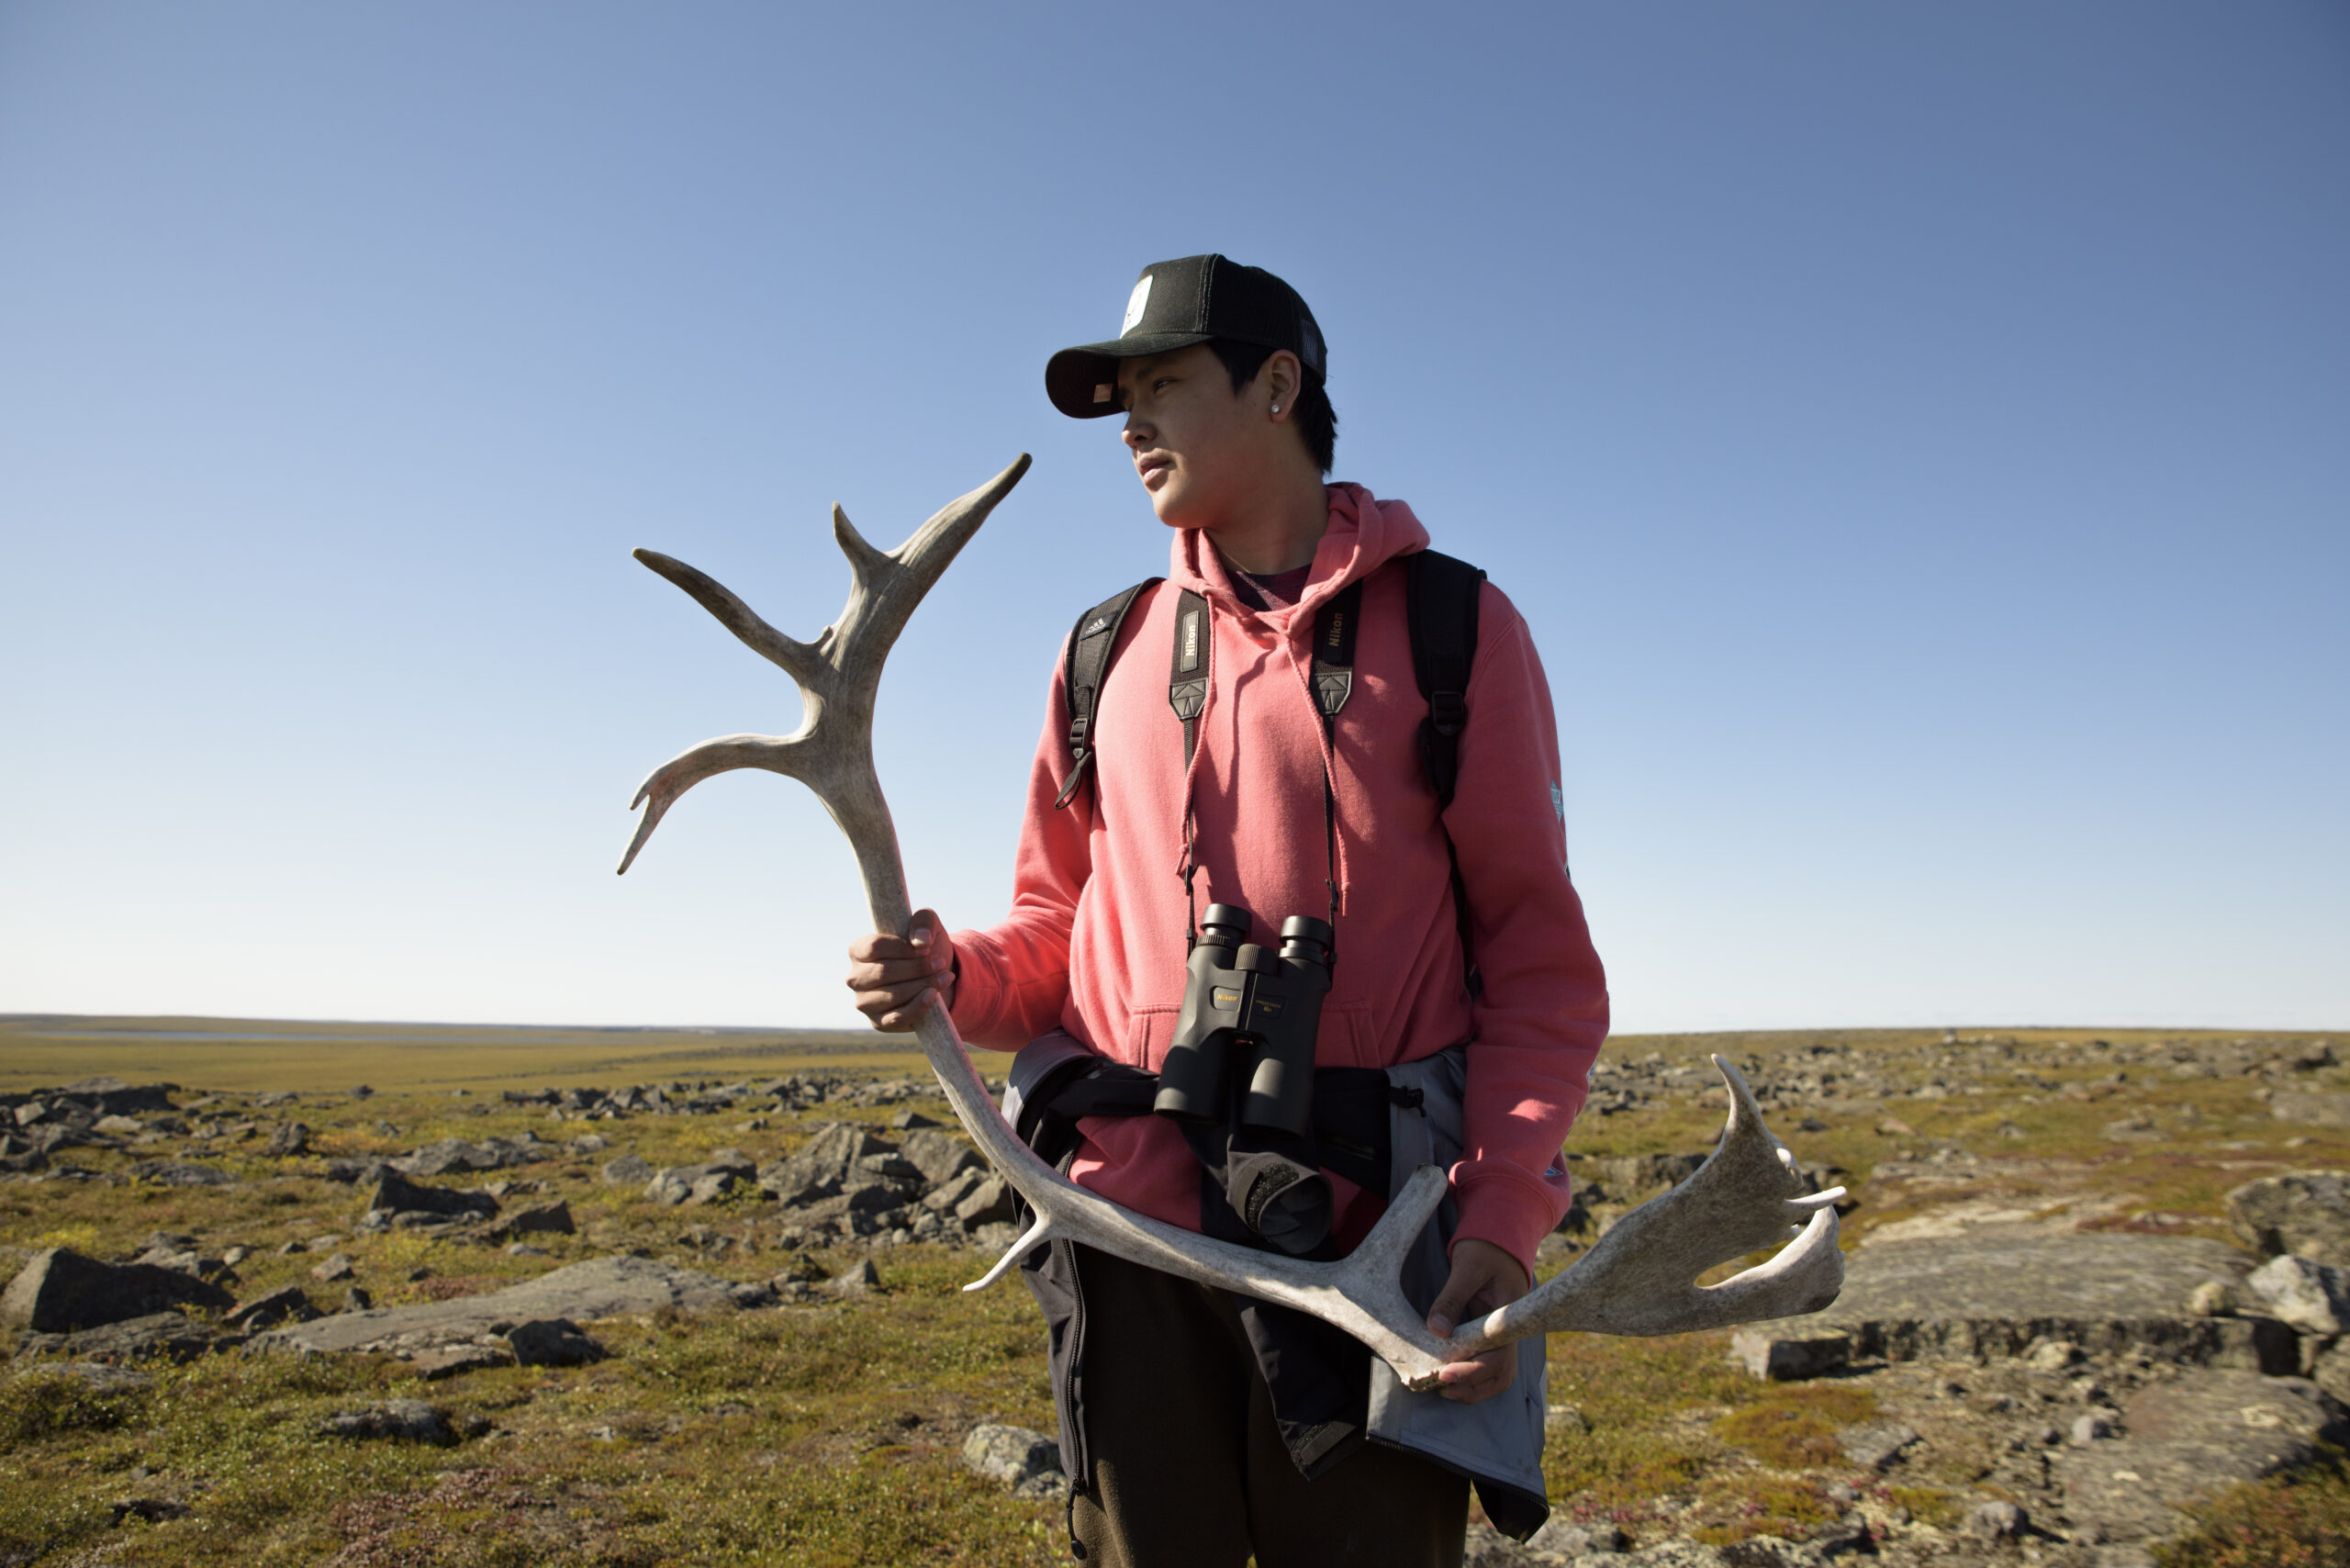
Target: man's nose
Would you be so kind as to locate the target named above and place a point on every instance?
(1137, 431)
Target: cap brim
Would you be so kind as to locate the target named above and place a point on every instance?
(1082, 382)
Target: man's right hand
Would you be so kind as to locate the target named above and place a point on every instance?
(898, 978)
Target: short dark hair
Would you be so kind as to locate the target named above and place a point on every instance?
(1317, 420)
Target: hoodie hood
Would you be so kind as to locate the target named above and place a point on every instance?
(1363, 534)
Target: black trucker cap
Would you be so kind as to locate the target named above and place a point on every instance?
(1175, 304)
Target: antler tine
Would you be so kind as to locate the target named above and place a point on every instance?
(682, 772)
(888, 585)
(795, 658)
(1640, 1278)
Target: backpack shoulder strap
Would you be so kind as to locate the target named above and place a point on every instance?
(1087, 664)
(1440, 595)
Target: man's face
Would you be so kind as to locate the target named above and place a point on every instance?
(1198, 445)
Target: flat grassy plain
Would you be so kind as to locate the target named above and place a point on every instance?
(259, 1055)
(830, 1433)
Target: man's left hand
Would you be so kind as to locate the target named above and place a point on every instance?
(1484, 1278)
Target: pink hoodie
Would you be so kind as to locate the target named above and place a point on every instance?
(1095, 940)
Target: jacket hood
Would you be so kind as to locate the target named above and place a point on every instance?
(1364, 534)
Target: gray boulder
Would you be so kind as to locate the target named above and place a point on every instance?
(181, 1173)
(1875, 1444)
(701, 1183)
(404, 1420)
(552, 1218)
(2312, 1297)
(553, 1342)
(2305, 1212)
(453, 1360)
(953, 1190)
(290, 1139)
(456, 1154)
(170, 1334)
(625, 1171)
(1027, 1462)
(862, 1278)
(1783, 1352)
(396, 1194)
(824, 1162)
(939, 1155)
(287, 1304)
(2315, 1109)
(605, 1287)
(61, 1292)
(113, 1097)
(990, 1203)
(1993, 1519)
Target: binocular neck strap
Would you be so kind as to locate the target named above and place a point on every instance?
(1187, 693)
(1333, 682)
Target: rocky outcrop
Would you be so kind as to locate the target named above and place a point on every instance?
(396, 1199)
(2304, 1213)
(2186, 1438)
(171, 1335)
(456, 1155)
(1999, 1290)
(605, 1287)
(61, 1292)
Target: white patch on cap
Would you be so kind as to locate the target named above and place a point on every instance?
(1102, 390)
(1134, 303)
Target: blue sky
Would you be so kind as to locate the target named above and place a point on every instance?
(1920, 438)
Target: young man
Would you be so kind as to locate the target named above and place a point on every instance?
(1199, 1426)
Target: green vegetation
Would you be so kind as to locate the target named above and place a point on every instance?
(2301, 1521)
(830, 1433)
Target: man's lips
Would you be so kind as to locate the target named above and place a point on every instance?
(1152, 469)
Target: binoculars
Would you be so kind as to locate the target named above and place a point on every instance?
(1254, 1009)
(1238, 1075)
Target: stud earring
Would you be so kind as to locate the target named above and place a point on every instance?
(1277, 408)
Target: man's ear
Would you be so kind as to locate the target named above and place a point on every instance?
(1278, 382)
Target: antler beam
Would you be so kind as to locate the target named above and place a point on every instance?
(1639, 1279)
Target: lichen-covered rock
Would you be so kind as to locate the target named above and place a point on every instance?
(2312, 1297)
(2304, 1213)
(404, 1420)
(2190, 1437)
(1011, 1456)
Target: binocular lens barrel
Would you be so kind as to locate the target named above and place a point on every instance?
(1191, 1077)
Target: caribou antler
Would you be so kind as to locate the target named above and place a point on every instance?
(1639, 1279)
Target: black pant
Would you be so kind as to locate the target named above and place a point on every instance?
(1189, 1468)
